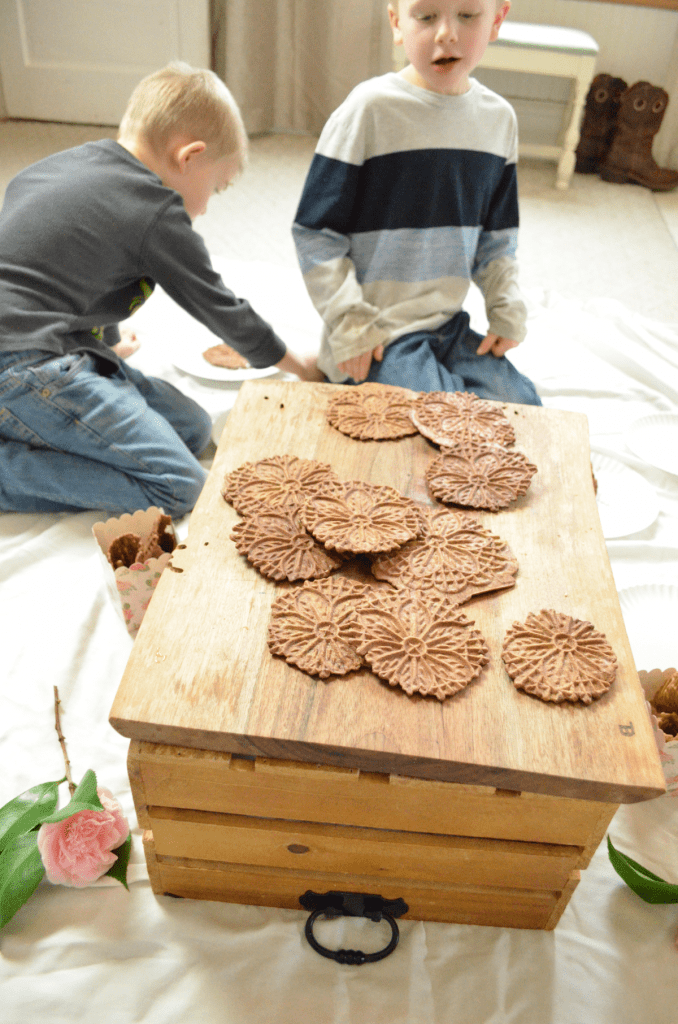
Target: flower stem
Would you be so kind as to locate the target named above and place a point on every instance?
(62, 741)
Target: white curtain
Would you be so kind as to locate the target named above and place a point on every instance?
(289, 63)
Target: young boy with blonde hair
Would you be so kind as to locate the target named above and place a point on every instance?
(84, 237)
(411, 195)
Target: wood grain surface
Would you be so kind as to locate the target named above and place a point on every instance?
(269, 788)
(201, 675)
(494, 906)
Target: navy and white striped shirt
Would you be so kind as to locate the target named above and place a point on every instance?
(411, 195)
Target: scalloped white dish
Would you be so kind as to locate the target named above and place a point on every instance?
(626, 502)
(654, 439)
(650, 615)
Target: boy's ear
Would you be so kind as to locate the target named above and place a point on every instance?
(183, 153)
(499, 18)
(394, 19)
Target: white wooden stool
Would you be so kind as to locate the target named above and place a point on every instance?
(549, 50)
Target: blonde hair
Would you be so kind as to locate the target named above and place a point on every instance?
(187, 102)
(395, 4)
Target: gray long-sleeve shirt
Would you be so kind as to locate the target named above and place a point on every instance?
(84, 236)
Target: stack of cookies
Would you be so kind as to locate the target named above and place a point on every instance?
(374, 578)
(302, 523)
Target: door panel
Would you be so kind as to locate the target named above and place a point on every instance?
(79, 60)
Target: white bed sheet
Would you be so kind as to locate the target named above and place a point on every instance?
(106, 955)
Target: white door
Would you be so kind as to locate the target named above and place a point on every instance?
(78, 60)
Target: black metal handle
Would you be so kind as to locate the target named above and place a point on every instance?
(352, 904)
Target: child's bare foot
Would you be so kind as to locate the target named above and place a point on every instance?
(128, 344)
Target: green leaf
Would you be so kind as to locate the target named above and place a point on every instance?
(84, 799)
(21, 870)
(86, 792)
(119, 869)
(27, 810)
(648, 886)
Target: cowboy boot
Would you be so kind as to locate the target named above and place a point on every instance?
(599, 122)
(641, 112)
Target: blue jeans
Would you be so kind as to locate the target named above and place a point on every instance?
(446, 360)
(73, 439)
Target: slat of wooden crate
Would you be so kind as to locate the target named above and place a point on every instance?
(563, 900)
(275, 887)
(200, 673)
(215, 781)
(237, 839)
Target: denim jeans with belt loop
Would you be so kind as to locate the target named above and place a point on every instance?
(73, 439)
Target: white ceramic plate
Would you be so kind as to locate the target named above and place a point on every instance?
(654, 439)
(650, 616)
(191, 360)
(626, 502)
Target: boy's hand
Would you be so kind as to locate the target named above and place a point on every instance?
(357, 367)
(127, 345)
(304, 367)
(495, 344)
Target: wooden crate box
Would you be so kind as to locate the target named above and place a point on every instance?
(255, 830)
(255, 782)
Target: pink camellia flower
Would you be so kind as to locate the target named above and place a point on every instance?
(77, 851)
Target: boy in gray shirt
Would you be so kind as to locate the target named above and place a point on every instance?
(84, 237)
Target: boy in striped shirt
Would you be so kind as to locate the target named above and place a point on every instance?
(411, 195)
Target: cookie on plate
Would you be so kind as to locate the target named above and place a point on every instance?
(225, 356)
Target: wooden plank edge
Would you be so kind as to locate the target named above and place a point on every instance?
(564, 899)
(136, 778)
(597, 834)
(460, 904)
(397, 764)
(148, 844)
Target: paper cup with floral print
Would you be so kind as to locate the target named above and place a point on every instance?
(667, 745)
(131, 588)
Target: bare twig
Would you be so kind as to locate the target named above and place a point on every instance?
(62, 741)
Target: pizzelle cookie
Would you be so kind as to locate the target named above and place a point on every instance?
(225, 356)
(162, 538)
(460, 417)
(372, 412)
(557, 658)
(278, 482)
(456, 558)
(309, 626)
(123, 550)
(665, 699)
(422, 646)
(361, 518)
(276, 542)
(483, 477)
(668, 722)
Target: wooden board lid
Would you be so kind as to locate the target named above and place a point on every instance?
(201, 675)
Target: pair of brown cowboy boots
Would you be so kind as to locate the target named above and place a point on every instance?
(617, 131)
